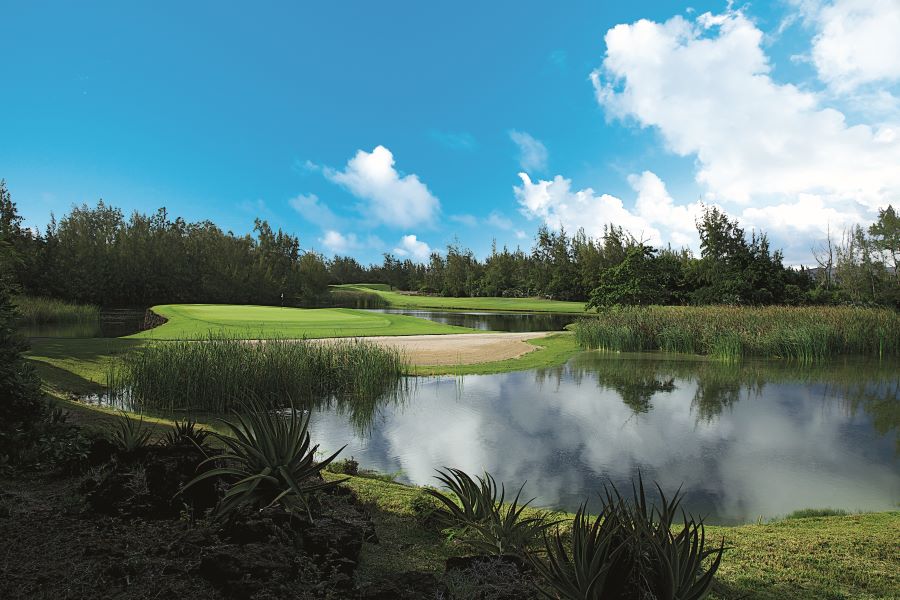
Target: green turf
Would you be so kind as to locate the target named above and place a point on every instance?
(399, 300)
(196, 321)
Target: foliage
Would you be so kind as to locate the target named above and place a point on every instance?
(186, 433)
(807, 513)
(268, 460)
(50, 443)
(487, 524)
(800, 333)
(129, 435)
(21, 405)
(95, 255)
(629, 551)
(38, 311)
(210, 374)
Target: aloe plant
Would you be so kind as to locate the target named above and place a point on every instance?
(269, 459)
(488, 523)
(629, 551)
(130, 435)
(186, 433)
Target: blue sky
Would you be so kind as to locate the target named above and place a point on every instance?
(374, 127)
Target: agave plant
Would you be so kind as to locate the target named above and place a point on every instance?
(269, 458)
(130, 435)
(629, 551)
(186, 433)
(488, 524)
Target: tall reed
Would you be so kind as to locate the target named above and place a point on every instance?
(728, 333)
(211, 375)
(40, 311)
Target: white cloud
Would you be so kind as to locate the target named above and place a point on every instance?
(705, 86)
(656, 206)
(858, 42)
(656, 218)
(413, 248)
(495, 219)
(393, 199)
(339, 243)
(557, 205)
(467, 220)
(532, 153)
(313, 210)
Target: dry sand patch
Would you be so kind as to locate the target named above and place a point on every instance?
(457, 349)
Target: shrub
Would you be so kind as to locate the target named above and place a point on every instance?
(487, 524)
(21, 405)
(186, 433)
(629, 551)
(129, 435)
(269, 460)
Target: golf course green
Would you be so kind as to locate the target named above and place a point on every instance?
(197, 321)
(400, 300)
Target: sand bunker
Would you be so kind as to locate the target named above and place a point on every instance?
(458, 349)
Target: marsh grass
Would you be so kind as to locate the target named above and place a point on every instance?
(41, 311)
(214, 374)
(805, 334)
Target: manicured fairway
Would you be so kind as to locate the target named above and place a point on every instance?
(196, 321)
(399, 300)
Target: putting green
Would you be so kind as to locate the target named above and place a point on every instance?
(398, 300)
(195, 321)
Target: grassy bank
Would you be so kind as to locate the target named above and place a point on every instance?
(206, 376)
(197, 321)
(833, 557)
(399, 300)
(42, 311)
(729, 333)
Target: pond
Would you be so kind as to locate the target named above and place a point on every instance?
(755, 440)
(490, 321)
(114, 322)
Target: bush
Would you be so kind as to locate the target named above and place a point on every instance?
(268, 460)
(486, 524)
(21, 404)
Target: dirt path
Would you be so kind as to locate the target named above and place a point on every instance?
(458, 349)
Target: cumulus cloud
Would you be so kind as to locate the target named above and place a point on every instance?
(705, 86)
(532, 153)
(655, 218)
(857, 42)
(412, 247)
(313, 210)
(339, 243)
(392, 199)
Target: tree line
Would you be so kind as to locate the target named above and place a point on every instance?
(96, 255)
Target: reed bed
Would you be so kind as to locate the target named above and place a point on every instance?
(212, 375)
(805, 334)
(41, 311)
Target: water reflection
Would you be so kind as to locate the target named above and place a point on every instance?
(115, 322)
(490, 321)
(756, 439)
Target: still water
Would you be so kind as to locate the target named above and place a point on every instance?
(490, 321)
(759, 439)
(115, 322)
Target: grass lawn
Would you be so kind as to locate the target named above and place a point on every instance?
(398, 300)
(78, 365)
(196, 321)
